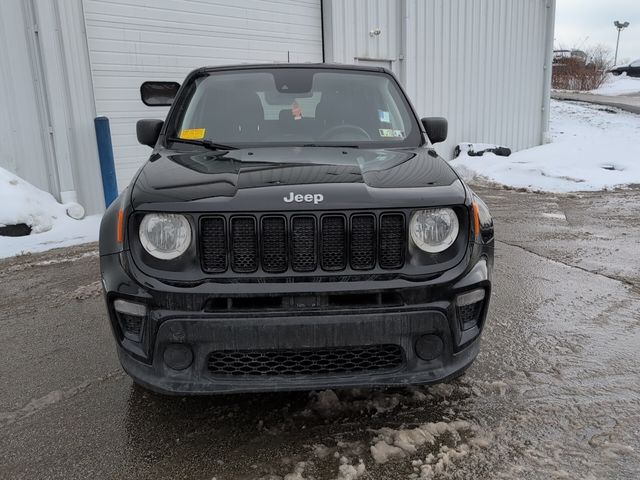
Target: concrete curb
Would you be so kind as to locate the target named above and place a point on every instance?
(629, 104)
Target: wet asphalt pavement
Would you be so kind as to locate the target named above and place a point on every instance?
(555, 392)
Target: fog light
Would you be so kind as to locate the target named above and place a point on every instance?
(469, 307)
(178, 356)
(131, 317)
(429, 347)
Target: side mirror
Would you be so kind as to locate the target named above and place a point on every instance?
(158, 94)
(436, 128)
(148, 131)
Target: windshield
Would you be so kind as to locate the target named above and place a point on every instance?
(297, 106)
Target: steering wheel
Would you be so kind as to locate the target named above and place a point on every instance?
(328, 134)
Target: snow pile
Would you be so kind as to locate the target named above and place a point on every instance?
(342, 450)
(297, 472)
(51, 225)
(618, 85)
(392, 444)
(321, 451)
(382, 452)
(593, 148)
(347, 471)
(327, 403)
(431, 449)
(21, 202)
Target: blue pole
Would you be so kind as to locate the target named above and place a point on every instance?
(107, 165)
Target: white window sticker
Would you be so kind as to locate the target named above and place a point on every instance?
(391, 133)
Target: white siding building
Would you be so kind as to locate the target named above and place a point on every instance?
(483, 64)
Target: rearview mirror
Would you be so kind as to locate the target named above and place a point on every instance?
(158, 94)
(436, 128)
(148, 131)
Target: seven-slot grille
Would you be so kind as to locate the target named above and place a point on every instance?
(302, 243)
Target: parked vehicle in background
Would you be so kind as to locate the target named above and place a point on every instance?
(631, 69)
(563, 53)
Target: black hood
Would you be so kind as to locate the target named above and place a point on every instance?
(260, 178)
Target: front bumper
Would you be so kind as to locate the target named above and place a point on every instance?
(184, 317)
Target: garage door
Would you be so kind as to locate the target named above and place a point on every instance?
(131, 41)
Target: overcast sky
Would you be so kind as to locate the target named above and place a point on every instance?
(580, 23)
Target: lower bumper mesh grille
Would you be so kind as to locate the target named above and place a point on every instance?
(321, 361)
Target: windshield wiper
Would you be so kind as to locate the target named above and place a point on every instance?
(203, 143)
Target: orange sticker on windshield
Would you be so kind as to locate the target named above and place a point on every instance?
(192, 134)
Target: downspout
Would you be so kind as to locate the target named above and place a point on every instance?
(322, 28)
(403, 29)
(548, 65)
(326, 11)
(57, 95)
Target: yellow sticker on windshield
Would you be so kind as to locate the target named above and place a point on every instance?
(192, 134)
(391, 132)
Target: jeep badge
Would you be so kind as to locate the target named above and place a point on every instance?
(316, 198)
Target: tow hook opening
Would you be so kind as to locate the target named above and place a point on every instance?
(469, 306)
(131, 318)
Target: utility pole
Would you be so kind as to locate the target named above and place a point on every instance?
(620, 26)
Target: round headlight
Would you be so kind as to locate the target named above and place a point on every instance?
(434, 230)
(165, 235)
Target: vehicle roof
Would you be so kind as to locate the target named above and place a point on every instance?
(329, 66)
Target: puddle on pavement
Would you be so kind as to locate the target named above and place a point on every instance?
(552, 395)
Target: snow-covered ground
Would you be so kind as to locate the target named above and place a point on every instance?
(618, 85)
(51, 226)
(593, 148)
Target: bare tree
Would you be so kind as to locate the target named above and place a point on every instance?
(601, 56)
(584, 71)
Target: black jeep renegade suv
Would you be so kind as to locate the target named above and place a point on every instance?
(294, 229)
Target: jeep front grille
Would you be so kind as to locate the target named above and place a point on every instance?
(363, 242)
(392, 240)
(274, 244)
(333, 241)
(302, 243)
(303, 239)
(244, 245)
(213, 242)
